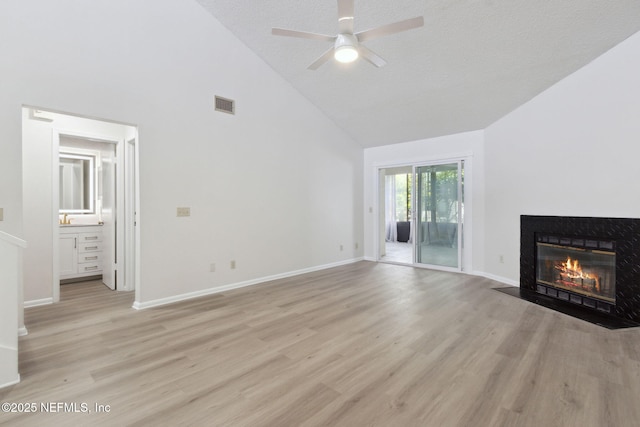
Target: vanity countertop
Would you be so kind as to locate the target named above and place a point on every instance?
(80, 225)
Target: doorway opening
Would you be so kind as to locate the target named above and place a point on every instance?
(80, 188)
(397, 244)
(421, 215)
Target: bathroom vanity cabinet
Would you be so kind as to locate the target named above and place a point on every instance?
(80, 251)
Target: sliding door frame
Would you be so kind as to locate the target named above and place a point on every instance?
(459, 215)
(464, 237)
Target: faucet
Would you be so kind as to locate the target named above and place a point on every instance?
(65, 220)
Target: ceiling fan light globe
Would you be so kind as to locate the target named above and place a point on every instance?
(345, 54)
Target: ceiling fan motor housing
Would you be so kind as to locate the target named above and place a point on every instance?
(346, 48)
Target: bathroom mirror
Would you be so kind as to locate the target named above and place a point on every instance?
(76, 183)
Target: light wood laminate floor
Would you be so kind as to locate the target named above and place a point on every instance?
(358, 345)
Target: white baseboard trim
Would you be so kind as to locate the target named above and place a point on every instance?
(500, 279)
(37, 302)
(190, 295)
(22, 331)
(10, 383)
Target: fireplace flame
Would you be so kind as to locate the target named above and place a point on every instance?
(573, 269)
(571, 274)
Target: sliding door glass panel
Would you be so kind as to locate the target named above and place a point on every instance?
(438, 214)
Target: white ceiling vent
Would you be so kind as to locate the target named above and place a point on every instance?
(225, 105)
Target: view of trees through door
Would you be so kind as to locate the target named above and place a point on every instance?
(439, 214)
(422, 214)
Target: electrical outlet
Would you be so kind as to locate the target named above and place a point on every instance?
(1, 214)
(212, 267)
(356, 246)
(341, 248)
(370, 209)
(501, 259)
(183, 212)
(233, 264)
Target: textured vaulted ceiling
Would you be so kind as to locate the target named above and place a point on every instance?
(472, 62)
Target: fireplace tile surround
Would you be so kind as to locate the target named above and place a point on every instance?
(625, 232)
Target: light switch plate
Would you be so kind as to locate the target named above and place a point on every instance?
(183, 212)
(1, 214)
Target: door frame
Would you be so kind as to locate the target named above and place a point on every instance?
(465, 238)
(130, 258)
(131, 209)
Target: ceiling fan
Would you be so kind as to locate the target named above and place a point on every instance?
(347, 45)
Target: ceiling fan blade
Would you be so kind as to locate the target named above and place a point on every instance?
(345, 16)
(301, 34)
(324, 58)
(371, 57)
(385, 30)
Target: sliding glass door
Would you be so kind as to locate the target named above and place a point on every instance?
(438, 196)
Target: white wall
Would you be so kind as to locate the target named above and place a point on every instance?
(10, 281)
(573, 150)
(276, 187)
(468, 144)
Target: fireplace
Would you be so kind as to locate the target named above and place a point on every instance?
(582, 271)
(588, 266)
